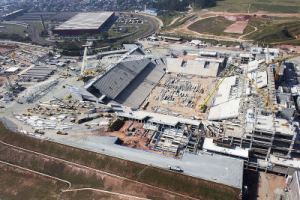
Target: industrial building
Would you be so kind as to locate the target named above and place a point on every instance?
(152, 11)
(84, 23)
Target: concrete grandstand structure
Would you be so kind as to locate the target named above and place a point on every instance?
(202, 67)
(84, 23)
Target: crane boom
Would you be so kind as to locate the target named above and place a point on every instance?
(278, 69)
(83, 67)
(282, 59)
(262, 94)
(207, 98)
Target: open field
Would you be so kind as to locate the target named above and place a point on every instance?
(168, 180)
(178, 22)
(19, 29)
(169, 17)
(271, 30)
(275, 6)
(214, 25)
(275, 30)
(20, 184)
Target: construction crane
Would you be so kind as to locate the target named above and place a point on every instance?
(84, 73)
(266, 105)
(283, 59)
(203, 107)
(262, 94)
(278, 69)
(279, 62)
(12, 55)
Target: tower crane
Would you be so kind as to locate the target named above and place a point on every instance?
(203, 107)
(283, 59)
(262, 94)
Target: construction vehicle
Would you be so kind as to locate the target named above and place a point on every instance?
(61, 133)
(39, 131)
(64, 75)
(84, 79)
(177, 168)
(262, 94)
(18, 101)
(204, 107)
(68, 97)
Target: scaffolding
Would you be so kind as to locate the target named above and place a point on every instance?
(34, 92)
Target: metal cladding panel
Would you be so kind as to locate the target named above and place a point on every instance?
(116, 79)
(84, 23)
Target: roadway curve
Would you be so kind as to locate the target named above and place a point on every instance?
(151, 29)
(35, 36)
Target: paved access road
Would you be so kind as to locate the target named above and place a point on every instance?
(211, 167)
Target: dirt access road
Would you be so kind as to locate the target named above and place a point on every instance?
(183, 29)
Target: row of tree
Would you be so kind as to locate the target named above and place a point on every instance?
(180, 5)
(15, 37)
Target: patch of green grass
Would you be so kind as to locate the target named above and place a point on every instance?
(274, 32)
(37, 24)
(214, 25)
(255, 7)
(19, 29)
(240, 6)
(114, 33)
(178, 22)
(169, 17)
(19, 184)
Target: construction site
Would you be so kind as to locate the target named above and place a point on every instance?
(179, 109)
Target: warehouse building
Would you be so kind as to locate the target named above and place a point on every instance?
(84, 23)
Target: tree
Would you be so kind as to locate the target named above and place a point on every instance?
(84, 36)
(105, 35)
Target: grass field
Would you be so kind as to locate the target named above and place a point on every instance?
(178, 22)
(275, 30)
(153, 176)
(20, 184)
(168, 17)
(114, 33)
(19, 29)
(214, 25)
(275, 6)
(38, 25)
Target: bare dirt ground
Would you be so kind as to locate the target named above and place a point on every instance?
(264, 186)
(134, 139)
(290, 47)
(270, 186)
(5, 49)
(237, 27)
(174, 20)
(185, 111)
